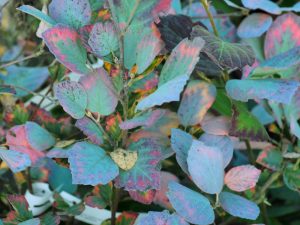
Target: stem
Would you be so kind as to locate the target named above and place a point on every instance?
(250, 152)
(114, 204)
(34, 93)
(210, 17)
(233, 14)
(29, 181)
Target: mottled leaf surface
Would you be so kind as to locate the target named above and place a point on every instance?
(206, 167)
(72, 97)
(181, 143)
(280, 91)
(159, 218)
(291, 177)
(192, 206)
(74, 13)
(265, 5)
(222, 142)
(163, 95)
(254, 25)
(90, 129)
(238, 206)
(102, 97)
(145, 173)
(145, 197)
(197, 98)
(216, 125)
(66, 46)
(90, 165)
(16, 161)
(242, 178)
(227, 55)
(270, 158)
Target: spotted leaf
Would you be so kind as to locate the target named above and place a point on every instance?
(125, 159)
(238, 206)
(16, 161)
(90, 165)
(242, 178)
(206, 167)
(191, 205)
(159, 218)
(72, 97)
(197, 98)
(66, 46)
(90, 129)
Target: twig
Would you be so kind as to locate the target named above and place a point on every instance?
(210, 17)
(114, 204)
(232, 14)
(135, 7)
(34, 93)
(250, 152)
(29, 181)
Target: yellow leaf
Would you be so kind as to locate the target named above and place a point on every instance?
(124, 159)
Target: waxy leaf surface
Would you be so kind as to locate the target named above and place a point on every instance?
(16, 161)
(159, 218)
(37, 13)
(265, 5)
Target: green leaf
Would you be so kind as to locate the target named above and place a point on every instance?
(270, 158)
(291, 177)
(227, 55)
(222, 103)
(246, 125)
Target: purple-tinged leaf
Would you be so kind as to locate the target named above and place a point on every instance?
(149, 47)
(216, 125)
(145, 173)
(270, 158)
(223, 143)
(238, 206)
(35, 221)
(103, 39)
(282, 36)
(72, 97)
(66, 46)
(265, 5)
(90, 129)
(191, 205)
(262, 115)
(145, 197)
(90, 165)
(146, 119)
(242, 178)
(182, 60)
(95, 202)
(197, 98)
(206, 167)
(280, 91)
(254, 25)
(161, 194)
(181, 143)
(38, 138)
(16, 161)
(59, 153)
(30, 78)
(163, 95)
(74, 13)
(159, 218)
(37, 14)
(85, 33)
(246, 125)
(102, 96)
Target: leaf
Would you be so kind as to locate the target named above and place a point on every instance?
(280, 91)
(144, 197)
(103, 39)
(102, 97)
(227, 55)
(146, 119)
(30, 78)
(291, 177)
(73, 13)
(16, 161)
(216, 125)
(191, 205)
(38, 138)
(270, 158)
(159, 218)
(90, 165)
(254, 25)
(277, 64)
(182, 60)
(7, 89)
(125, 159)
(126, 218)
(49, 219)
(242, 178)
(262, 115)
(238, 206)
(90, 129)
(20, 206)
(246, 125)
(163, 95)
(206, 167)
(181, 143)
(37, 14)
(282, 36)
(145, 173)
(95, 202)
(72, 97)
(35, 221)
(197, 98)
(224, 143)
(265, 5)
(65, 44)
